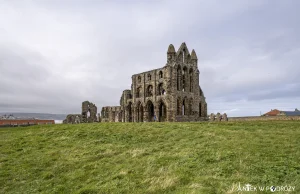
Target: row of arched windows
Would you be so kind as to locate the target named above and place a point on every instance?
(149, 91)
(149, 77)
(139, 115)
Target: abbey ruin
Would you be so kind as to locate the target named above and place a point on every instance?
(88, 114)
(170, 93)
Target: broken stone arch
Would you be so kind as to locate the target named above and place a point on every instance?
(150, 111)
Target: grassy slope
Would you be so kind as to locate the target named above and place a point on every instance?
(149, 157)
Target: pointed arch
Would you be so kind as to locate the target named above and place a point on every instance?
(150, 111)
(161, 90)
(183, 53)
(139, 79)
(160, 74)
(149, 91)
(184, 79)
(138, 92)
(162, 113)
(139, 112)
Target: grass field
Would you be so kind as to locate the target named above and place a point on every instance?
(150, 157)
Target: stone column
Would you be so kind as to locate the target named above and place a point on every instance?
(156, 112)
(145, 114)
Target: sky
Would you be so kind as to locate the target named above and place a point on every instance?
(55, 54)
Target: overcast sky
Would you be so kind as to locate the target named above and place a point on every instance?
(54, 54)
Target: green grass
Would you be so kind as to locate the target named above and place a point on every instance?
(149, 157)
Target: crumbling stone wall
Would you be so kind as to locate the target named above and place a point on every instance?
(73, 119)
(170, 93)
(218, 117)
(112, 114)
(88, 114)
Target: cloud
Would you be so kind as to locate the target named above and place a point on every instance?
(55, 55)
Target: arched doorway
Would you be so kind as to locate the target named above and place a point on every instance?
(129, 108)
(140, 112)
(162, 112)
(150, 110)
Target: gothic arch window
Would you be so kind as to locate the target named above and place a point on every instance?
(139, 79)
(138, 92)
(149, 77)
(149, 91)
(184, 79)
(161, 90)
(178, 78)
(160, 74)
(162, 112)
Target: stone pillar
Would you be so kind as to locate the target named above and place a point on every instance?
(218, 117)
(212, 117)
(134, 115)
(126, 115)
(145, 114)
(225, 117)
(156, 112)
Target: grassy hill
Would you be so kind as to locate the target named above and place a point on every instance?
(149, 157)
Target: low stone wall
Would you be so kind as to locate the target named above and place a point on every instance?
(264, 118)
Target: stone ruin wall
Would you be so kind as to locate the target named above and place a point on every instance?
(218, 117)
(171, 93)
(88, 114)
(111, 114)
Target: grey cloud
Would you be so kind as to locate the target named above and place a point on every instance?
(87, 50)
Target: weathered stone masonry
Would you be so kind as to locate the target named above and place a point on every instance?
(171, 93)
(88, 114)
